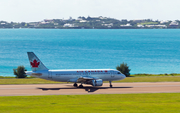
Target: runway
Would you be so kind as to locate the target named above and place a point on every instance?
(68, 89)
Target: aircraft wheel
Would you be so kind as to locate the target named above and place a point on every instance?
(111, 86)
(75, 85)
(81, 86)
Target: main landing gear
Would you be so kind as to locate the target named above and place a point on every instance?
(110, 83)
(75, 85)
(80, 86)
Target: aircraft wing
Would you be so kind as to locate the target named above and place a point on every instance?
(84, 79)
(90, 80)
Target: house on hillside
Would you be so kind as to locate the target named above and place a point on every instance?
(69, 25)
(140, 26)
(174, 24)
(108, 25)
(81, 21)
(157, 26)
(127, 25)
(164, 21)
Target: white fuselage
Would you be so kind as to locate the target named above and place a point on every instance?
(94, 77)
(74, 74)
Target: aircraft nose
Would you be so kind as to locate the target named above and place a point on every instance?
(123, 76)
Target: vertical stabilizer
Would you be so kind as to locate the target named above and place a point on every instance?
(35, 63)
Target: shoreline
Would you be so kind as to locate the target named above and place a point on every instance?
(132, 75)
(89, 28)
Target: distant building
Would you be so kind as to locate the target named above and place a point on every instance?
(108, 25)
(3, 23)
(102, 17)
(140, 25)
(69, 25)
(160, 26)
(164, 21)
(35, 24)
(95, 17)
(55, 24)
(83, 21)
(127, 25)
(174, 23)
(44, 22)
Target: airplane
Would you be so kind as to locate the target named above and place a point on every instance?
(94, 77)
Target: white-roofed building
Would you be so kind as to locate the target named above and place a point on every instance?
(174, 23)
(69, 25)
(140, 25)
(127, 25)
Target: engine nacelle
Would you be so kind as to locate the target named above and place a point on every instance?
(97, 82)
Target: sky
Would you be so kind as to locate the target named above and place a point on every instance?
(38, 10)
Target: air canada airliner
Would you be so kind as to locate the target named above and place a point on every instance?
(94, 77)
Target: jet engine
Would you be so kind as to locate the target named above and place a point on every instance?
(97, 82)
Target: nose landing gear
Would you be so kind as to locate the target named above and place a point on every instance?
(110, 84)
(75, 85)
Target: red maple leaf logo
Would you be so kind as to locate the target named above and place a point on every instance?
(35, 64)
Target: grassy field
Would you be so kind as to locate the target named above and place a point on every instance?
(148, 23)
(153, 75)
(151, 79)
(128, 79)
(108, 103)
(26, 81)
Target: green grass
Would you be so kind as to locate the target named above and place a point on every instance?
(151, 79)
(108, 103)
(6, 77)
(26, 81)
(128, 79)
(153, 75)
(148, 23)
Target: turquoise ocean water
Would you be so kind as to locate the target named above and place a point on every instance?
(145, 51)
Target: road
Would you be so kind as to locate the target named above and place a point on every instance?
(68, 89)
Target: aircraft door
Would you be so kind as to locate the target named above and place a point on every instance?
(49, 75)
(89, 74)
(112, 74)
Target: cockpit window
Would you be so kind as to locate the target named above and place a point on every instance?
(118, 73)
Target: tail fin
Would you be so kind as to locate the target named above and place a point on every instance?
(35, 63)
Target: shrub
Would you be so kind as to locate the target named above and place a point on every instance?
(123, 68)
(20, 72)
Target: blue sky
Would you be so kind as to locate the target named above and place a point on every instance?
(37, 10)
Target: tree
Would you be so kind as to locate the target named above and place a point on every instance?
(23, 23)
(20, 72)
(89, 18)
(123, 68)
